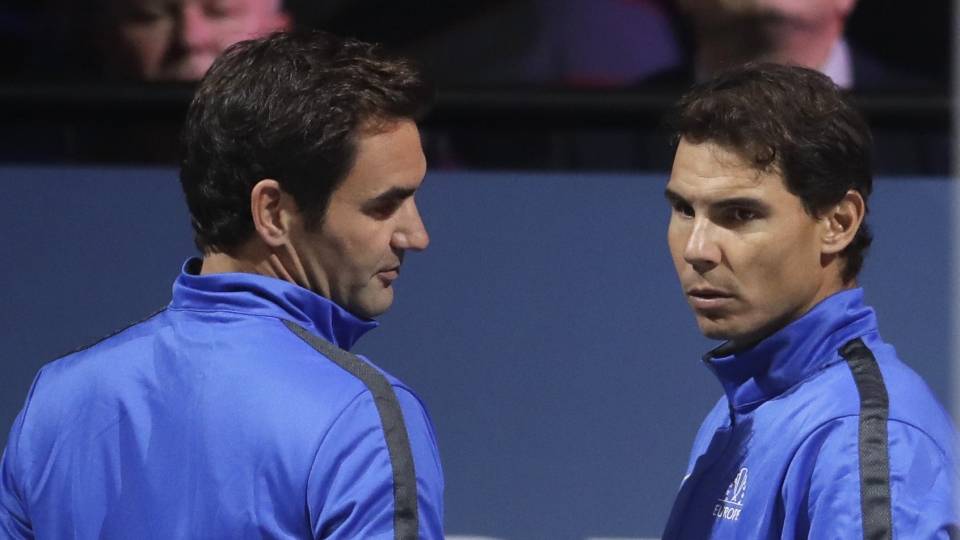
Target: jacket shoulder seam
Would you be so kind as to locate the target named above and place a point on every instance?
(111, 335)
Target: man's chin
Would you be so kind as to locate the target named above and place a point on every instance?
(719, 329)
(372, 308)
(737, 336)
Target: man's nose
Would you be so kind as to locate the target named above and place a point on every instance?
(702, 250)
(411, 233)
(194, 31)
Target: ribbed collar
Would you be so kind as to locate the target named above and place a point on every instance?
(252, 294)
(793, 353)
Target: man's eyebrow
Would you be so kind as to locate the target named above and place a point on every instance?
(673, 196)
(741, 202)
(394, 194)
(733, 202)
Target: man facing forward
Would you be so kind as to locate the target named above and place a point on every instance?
(168, 40)
(236, 412)
(822, 432)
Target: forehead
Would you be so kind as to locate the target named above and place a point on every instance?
(389, 156)
(707, 171)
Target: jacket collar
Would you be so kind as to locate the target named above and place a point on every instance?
(252, 294)
(793, 353)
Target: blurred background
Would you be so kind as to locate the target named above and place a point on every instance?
(523, 84)
(544, 328)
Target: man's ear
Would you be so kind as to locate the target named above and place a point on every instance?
(841, 222)
(271, 210)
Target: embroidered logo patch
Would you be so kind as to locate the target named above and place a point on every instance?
(731, 504)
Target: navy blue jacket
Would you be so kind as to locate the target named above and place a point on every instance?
(230, 414)
(822, 433)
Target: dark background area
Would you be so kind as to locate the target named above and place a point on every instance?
(914, 37)
(509, 93)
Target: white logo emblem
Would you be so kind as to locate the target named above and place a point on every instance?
(731, 504)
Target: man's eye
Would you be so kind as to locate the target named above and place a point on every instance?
(682, 208)
(743, 214)
(219, 9)
(383, 210)
(143, 14)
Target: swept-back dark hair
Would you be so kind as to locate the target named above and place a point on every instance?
(288, 106)
(795, 121)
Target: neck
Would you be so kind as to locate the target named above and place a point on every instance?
(249, 258)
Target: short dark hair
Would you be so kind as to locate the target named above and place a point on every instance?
(793, 120)
(288, 106)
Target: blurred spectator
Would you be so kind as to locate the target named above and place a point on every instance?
(804, 32)
(810, 33)
(137, 40)
(178, 39)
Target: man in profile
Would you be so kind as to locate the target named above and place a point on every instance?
(237, 412)
(822, 432)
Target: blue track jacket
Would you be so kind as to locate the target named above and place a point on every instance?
(823, 433)
(229, 414)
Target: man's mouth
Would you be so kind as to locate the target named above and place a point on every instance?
(707, 298)
(389, 274)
